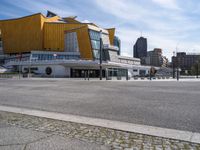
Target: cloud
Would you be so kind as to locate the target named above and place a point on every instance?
(86, 21)
(164, 24)
(171, 4)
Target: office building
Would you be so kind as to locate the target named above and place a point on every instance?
(155, 58)
(185, 61)
(140, 48)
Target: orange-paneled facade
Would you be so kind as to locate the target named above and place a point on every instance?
(39, 33)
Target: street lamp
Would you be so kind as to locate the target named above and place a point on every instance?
(197, 68)
(29, 70)
(177, 59)
(173, 65)
(150, 71)
(54, 74)
(100, 56)
(177, 69)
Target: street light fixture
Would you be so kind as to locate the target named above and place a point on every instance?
(100, 55)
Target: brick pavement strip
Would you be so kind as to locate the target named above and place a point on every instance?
(104, 136)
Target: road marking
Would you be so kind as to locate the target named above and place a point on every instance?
(123, 126)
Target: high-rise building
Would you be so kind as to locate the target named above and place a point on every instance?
(140, 48)
(185, 61)
(155, 58)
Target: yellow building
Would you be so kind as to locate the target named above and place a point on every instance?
(52, 33)
(65, 47)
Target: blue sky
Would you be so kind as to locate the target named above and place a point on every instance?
(166, 23)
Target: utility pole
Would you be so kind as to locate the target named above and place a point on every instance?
(197, 69)
(100, 56)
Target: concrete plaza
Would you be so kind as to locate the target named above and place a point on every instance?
(164, 104)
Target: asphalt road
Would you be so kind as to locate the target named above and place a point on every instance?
(174, 105)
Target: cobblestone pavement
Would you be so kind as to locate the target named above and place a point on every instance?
(102, 136)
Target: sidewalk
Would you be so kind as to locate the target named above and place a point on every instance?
(14, 137)
(26, 132)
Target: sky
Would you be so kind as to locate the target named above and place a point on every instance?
(167, 24)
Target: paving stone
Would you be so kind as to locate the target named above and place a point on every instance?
(16, 136)
(61, 143)
(86, 133)
(12, 147)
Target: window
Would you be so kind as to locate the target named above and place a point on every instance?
(94, 35)
(95, 44)
(105, 39)
(95, 41)
(71, 42)
(48, 71)
(96, 54)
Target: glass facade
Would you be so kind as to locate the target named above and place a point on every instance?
(71, 42)
(117, 42)
(52, 57)
(95, 41)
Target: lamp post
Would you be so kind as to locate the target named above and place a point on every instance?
(54, 74)
(177, 70)
(197, 69)
(177, 75)
(100, 56)
(29, 71)
(173, 65)
(177, 61)
(150, 71)
(20, 66)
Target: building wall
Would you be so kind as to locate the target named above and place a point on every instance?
(54, 38)
(57, 70)
(111, 35)
(22, 35)
(185, 61)
(1, 44)
(37, 32)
